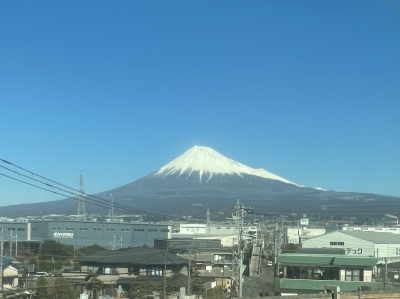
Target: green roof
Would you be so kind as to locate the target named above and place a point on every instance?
(326, 260)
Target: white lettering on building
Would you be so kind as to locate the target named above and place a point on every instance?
(63, 235)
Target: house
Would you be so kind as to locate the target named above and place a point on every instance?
(117, 266)
(134, 261)
(384, 246)
(214, 268)
(310, 273)
(11, 272)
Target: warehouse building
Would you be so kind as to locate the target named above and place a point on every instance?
(84, 233)
(384, 246)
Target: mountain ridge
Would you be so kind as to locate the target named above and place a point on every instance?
(202, 178)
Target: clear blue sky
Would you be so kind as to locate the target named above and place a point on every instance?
(308, 90)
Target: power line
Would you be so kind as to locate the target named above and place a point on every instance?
(79, 191)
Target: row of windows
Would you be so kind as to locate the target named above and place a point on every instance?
(397, 251)
(85, 229)
(123, 229)
(337, 243)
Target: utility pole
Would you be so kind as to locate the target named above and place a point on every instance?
(1, 260)
(241, 254)
(240, 212)
(10, 243)
(190, 258)
(16, 245)
(165, 272)
(385, 275)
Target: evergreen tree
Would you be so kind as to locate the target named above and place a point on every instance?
(41, 291)
(197, 285)
(159, 288)
(141, 288)
(62, 289)
(94, 285)
(89, 250)
(52, 249)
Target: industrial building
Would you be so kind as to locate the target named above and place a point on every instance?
(84, 233)
(299, 234)
(383, 246)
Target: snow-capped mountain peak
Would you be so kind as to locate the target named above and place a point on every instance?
(204, 161)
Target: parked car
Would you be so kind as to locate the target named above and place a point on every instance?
(42, 274)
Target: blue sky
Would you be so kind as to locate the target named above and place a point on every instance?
(308, 90)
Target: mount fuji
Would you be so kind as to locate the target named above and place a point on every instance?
(202, 178)
(204, 163)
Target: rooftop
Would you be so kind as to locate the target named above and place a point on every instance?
(134, 256)
(326, 260)
(376, 237)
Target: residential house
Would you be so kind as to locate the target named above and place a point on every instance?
(117, 266)
(11, 272)
(310, 273)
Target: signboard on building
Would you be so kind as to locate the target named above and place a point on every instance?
(304, 221)
(63, 235)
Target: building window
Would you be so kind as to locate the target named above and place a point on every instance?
(11, 228)
(337, 243)
(110, 270)
(352, 275)
(165, 230)
(83, 228)
(96, 228)
(203, 244)
(110, 229)
(397, 251)
(154, 271)
(70, 228)
(139, 229)
(126, 229)
(152, 230)
(21, 229)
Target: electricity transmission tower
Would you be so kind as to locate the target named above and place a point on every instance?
(81, 215)
(112, 208)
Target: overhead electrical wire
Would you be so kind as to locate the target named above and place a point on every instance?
(94, 199)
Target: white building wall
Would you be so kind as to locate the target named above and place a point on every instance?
(193, 229)
(388, 251)
(351, 245)
(294, 235)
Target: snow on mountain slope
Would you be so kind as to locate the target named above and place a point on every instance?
(207, 162)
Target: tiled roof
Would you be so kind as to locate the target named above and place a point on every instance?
(134, 256)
